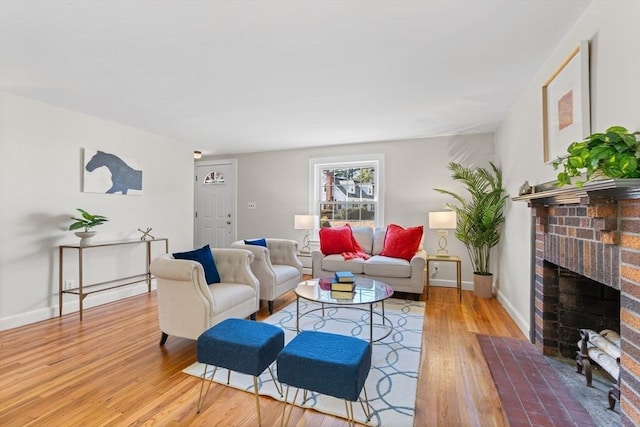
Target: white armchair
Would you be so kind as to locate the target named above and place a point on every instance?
(188, 306)
(277, 267)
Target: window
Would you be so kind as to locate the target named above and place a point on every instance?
(348, 190)
(213, 177)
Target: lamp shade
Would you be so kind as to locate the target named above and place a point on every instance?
(305, 222)
(442, 220)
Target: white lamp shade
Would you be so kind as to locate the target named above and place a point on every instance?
(305, 222)
(442, 220)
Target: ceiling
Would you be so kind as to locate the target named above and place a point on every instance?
(243, 76)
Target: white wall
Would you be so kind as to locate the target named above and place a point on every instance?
(278, 181)
(40, 187)
(615, 100)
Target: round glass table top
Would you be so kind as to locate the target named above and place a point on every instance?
(367, 291)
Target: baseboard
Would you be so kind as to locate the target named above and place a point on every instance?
(523, 325)
(70, 305)
(466, 286)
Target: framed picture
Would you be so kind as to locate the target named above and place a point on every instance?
(566, 116)
(110, 173)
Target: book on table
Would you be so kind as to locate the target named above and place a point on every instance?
(342, 295)
(343, 286)
(345, 277)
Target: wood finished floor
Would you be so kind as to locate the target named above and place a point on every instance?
(110, 371)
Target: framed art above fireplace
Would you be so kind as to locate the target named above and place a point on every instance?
(565, 104)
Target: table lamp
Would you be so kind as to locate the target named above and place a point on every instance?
(307, 223)
(442, 221)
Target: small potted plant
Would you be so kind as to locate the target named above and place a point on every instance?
(614, 154)
(87, 222)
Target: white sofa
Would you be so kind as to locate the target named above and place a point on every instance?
(276, 266)
(188, 306)
(400, 274)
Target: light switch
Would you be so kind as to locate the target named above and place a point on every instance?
(251, 205)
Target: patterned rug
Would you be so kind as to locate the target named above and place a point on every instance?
(392, 381)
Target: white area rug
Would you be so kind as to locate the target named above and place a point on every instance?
(392, 381)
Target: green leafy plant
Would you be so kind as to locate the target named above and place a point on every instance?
(478, 218)
(614, 154)
(87, 221)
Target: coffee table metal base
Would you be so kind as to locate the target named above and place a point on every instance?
(386, 323)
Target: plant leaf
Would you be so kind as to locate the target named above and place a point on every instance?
(617, 129)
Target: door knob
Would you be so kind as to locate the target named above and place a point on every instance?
(228, 222)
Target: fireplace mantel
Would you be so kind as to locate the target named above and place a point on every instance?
(602, 191)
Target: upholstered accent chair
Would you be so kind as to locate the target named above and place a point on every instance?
(276, 266)
(188, 306)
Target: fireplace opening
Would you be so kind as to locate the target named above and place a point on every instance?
(574, 302)
(583, 303)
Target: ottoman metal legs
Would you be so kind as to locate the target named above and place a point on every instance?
(240, 345)
(335, 365)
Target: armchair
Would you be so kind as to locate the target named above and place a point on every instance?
(276, 266)
(188, 306)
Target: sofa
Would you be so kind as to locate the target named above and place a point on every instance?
(404, 271)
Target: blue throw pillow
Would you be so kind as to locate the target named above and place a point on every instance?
(257, 242)
(204, 257)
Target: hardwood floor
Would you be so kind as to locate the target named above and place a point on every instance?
(109, 370)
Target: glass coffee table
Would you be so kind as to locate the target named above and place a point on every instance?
(367, 292)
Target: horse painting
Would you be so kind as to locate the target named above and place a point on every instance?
(123, 176)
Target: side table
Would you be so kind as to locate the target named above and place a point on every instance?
(305, 259)
(447, 258)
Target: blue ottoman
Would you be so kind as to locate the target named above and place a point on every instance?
(335, 365)
(240, 345)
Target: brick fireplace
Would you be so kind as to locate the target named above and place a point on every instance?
(593, 234)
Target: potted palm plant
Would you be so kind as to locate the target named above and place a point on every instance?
(87, 222)
(479, 218)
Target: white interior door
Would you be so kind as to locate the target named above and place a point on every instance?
(215, 203)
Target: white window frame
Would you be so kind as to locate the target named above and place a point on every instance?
(317, 164)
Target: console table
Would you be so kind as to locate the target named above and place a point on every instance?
(86, 289)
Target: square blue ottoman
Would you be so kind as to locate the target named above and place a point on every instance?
(240, 345)
(335, 365)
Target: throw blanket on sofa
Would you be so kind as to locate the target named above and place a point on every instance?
(357, 251)
(352, 255)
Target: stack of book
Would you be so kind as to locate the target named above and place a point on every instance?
(343, 285)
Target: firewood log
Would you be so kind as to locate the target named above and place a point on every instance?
(604, 344)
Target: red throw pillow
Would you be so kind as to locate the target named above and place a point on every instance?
(336, 240)
(401, 243)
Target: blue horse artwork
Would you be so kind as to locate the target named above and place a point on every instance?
(123, 177)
